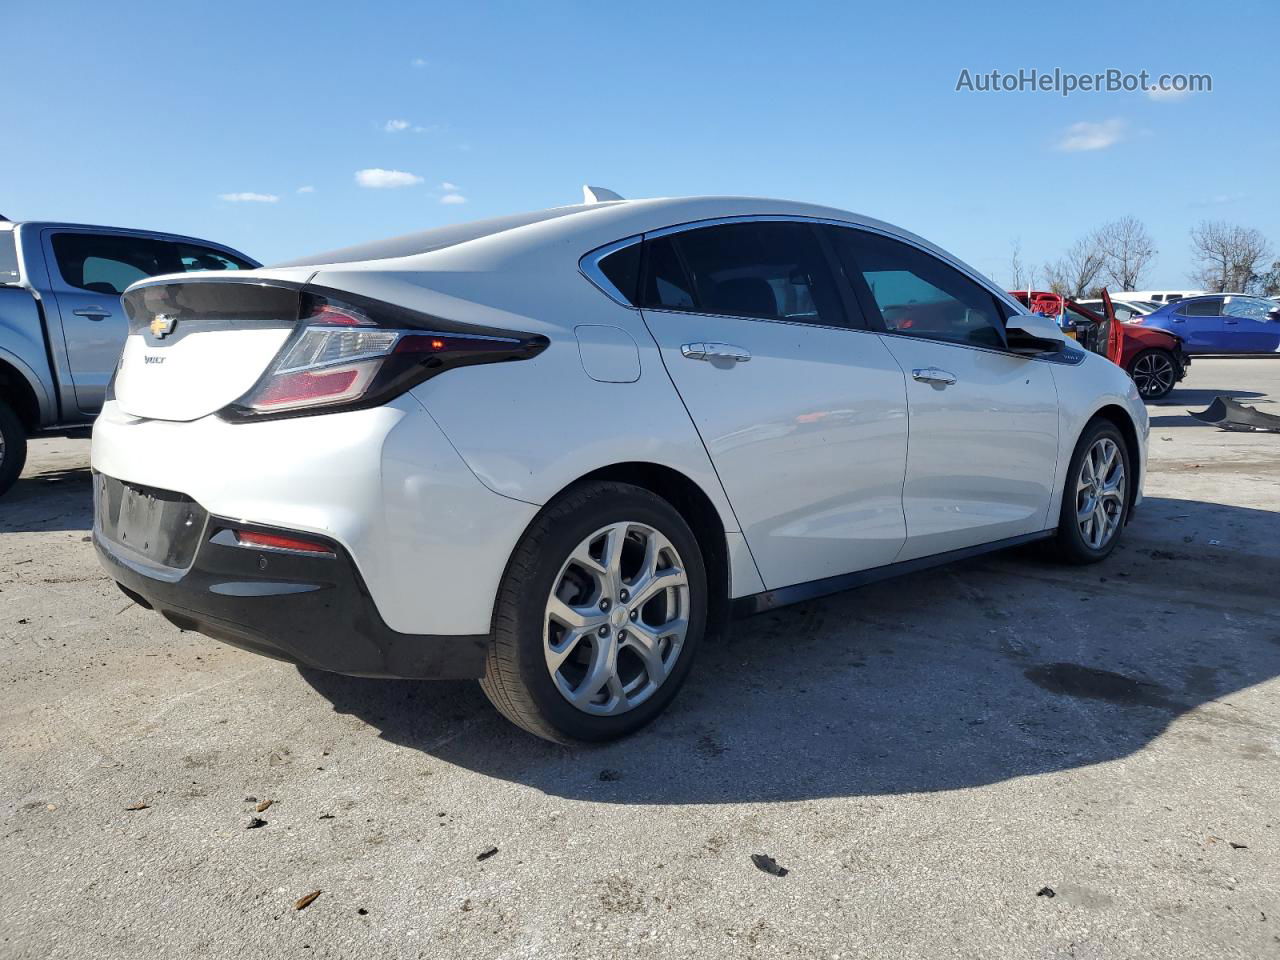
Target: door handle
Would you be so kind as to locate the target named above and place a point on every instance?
(715, 351)
(1230, 323)
(934, 375)
(93, 313)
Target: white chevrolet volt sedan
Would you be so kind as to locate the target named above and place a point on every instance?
(553, 451)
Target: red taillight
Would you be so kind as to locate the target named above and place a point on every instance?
(276, 541)
(342, 356)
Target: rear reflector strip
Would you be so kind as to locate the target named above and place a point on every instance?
(258, 540)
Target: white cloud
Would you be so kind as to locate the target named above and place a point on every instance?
(395, 126)
(1167, 94)
(1092, 136)
(418, 62)
(307, 189)
(249, 197)
(453, 198)
(376, 177)
(1219, 199)
(448, 187)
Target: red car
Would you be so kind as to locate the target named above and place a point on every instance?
(1154, 358)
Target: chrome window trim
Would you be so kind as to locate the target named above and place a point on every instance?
(589, 267)
(1070, 356)
(734, 316)
(588, 264)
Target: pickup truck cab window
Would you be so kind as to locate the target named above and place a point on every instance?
(193, 257)
(105, 264)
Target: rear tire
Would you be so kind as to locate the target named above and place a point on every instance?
(626, 658)
(1154, 372)
(1096, 495)
(13, 447)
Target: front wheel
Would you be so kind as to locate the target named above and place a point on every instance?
(1154, 372)
(1095, 499)
(598, 616)
(13, 447)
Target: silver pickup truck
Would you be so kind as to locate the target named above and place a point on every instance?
(62, 326)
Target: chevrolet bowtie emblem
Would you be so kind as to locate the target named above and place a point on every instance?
(162, 325)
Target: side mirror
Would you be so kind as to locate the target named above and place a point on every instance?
(1274, 314)
(1031, 334)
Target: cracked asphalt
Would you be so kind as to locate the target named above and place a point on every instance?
(1003, 758)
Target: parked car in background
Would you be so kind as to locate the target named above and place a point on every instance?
(1158, 296)
(1153, 358)
(62, 325)
(1126, 310)
(552, 450)
(1221, 324)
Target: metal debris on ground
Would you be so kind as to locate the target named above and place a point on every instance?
(1046, 892)
(1227, 414)
(486, 854)
(138, 806)
(305, 901)
(768, 865)
(255, 823)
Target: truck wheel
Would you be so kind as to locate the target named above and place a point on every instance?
(13, 447)
(1154, 372)
(598, 616)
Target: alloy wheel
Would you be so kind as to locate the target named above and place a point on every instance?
(1100, 493)
(1153, 374)
(616, 619)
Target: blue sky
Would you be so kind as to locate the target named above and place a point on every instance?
(149, 114)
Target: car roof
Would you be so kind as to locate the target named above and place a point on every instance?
(585, 227)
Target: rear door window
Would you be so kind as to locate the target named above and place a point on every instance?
(193, 257)
(765, 270)
(1207, 307)
(107, 264)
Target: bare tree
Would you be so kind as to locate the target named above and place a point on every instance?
(1021, 273)
(1228, 256)
(1269, 282)
(1076, 273)
(1127, 251)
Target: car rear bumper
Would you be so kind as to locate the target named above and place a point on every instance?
(425, 538)
(312, 610)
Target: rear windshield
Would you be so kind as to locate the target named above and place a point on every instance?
(8, 257)
(429, 240)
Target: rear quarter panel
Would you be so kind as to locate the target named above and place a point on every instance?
(530, 429)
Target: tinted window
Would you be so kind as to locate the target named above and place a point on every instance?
(1208, 307)
(771, 270)
(107, 264)
(622, 269)
(193, 257)
(1075, 316)
(8, 257)
(666, 284)
(917, 294)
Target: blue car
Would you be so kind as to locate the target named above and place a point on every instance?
(1221, 323)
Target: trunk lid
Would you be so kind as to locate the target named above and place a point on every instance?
(198, 343)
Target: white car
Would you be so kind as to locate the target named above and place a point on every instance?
(553, 451)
